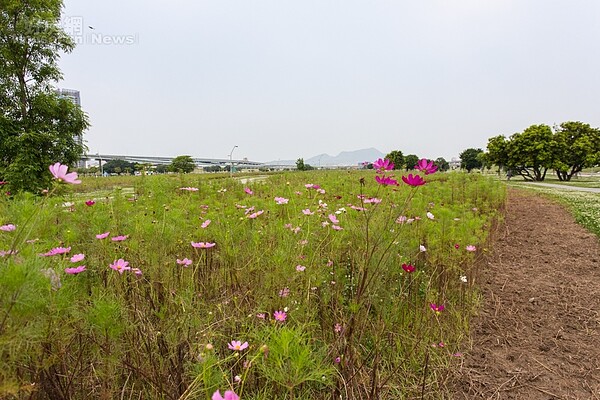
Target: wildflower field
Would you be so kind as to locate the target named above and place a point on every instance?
(313, 285)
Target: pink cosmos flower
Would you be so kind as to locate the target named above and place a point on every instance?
(296, 229)
(3, 183)
(358, 208)
(229, 395)
(237, 345)
(285, 292)
(137, 271)
(57, 250)
(401, 219)
(77, 257)
(281, 200)
(248, 191)
(422, 248)
(321, 191)
(312, 186)
(383, 165)
(386, 180)
(333, 219)
(8, 228)
(59, 172)
(205, 223)
(337, 360)
(425, 166)
(408, 268)
(120, 266)
(457, 246)
(430, 216)
(307, 212)
(90, 203)
(185, 262)
(76, 270)
(7, 252)
(260, 315)
(300, 268)
(119, 238)
(471, 248)
(337, 228)
(102, 235)
(372, 200)
(413, 180)
(436, 308)
(337, 328)
(203, 245)
(189, 189)
(256, 214)
(280, 316)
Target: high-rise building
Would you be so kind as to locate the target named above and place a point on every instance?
(75, 97)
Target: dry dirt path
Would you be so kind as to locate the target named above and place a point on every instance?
(538, 334)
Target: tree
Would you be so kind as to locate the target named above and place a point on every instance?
(533, 152)
(442, 164)
(397, 158)
(117, 166)
(470, 159)
(578, 147)
(300, 164)
(410, 161)
(37, 127)
(497, 151)
(183, 164)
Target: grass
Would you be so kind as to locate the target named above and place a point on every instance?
(357, 325)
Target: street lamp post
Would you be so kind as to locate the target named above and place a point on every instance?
(231, 162)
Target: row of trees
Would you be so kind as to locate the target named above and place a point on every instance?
(567, 149)
(409, 161)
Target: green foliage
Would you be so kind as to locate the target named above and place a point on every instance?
(471, 159)
(397, 158)
(37, 127)
(301, 166)
(183, 164)
(578, 147)
(118, 166)
(532, 152)
(410, 161)
(442, 164)
(497, 151)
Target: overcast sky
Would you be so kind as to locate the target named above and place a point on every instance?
(287, 79)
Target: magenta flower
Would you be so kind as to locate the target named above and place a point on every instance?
(471, 248)
(203, 245)
(337, 360)
(413, 180)
(333, 219)
(457, 246)
(436, 308)
(248, 191)
(8, 228)
(408, 268)
(383, 165)
(3, 183)
(56, 251)
(90, 203)
(77, 257)
(206, 223)
(337, 328)
(102, 235)
(185, 262)
(307, 212)
(119, 238)
(59, 172)
(281, 200)
(386, 180)
(425, 166)
(280, 316)
(75, 271)
(312, 186)
(229, 395)
(237, 345)
(120, 266)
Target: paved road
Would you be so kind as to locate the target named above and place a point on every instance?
(564, 187)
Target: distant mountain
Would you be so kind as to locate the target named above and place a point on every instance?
(344, 158)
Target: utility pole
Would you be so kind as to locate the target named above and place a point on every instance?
(231, 162)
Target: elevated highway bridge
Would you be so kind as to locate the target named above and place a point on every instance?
(199, 161)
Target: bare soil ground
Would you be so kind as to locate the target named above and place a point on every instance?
(538, 334)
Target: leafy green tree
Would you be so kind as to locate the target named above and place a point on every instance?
(442, 164)
(397, 158)
(37, 127)
(470, 159)
(117, 166)
(532, 152)
(162, 169)
(300, 166)
(578, 147)
(497, 151)
(410, 161)
(183, 164)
